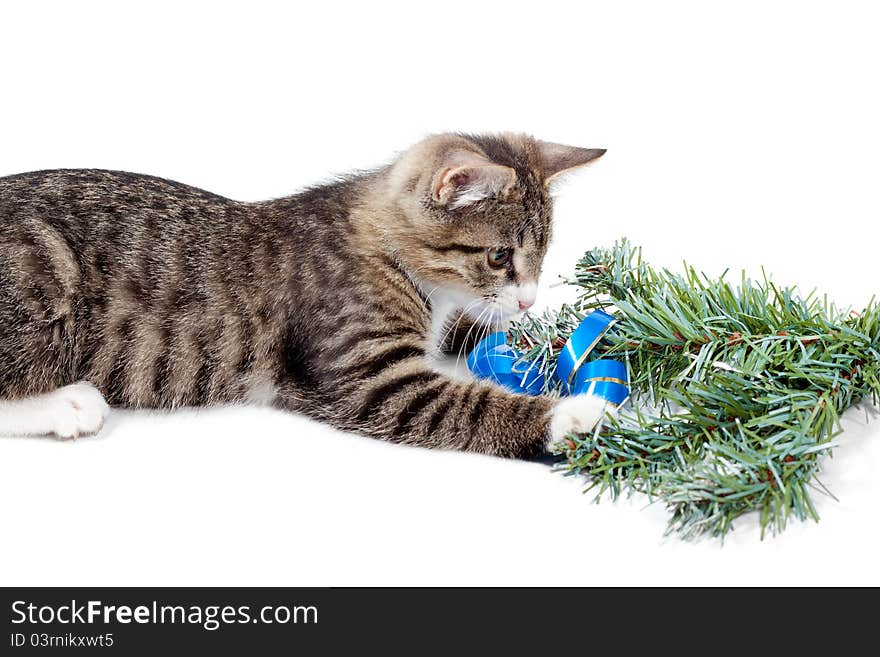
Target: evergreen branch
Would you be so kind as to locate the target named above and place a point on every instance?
(745, 384)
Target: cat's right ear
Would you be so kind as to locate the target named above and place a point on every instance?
(559, 159)
(464, 180)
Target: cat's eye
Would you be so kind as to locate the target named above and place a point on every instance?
(498, 256)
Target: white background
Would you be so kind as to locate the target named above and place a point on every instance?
(736, 139)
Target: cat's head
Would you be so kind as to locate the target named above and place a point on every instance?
(475, 216)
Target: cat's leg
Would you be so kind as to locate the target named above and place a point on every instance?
(410, 403)
(68, 412)
(40, 346)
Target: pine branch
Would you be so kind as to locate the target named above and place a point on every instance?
(738, 388)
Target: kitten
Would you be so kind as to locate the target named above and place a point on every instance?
(148, 293)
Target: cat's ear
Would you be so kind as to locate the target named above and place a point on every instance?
(465, 179)
(557, 159)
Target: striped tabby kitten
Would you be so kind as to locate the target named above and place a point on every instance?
(148, 293)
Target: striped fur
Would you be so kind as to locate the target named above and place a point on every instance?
(162, 295)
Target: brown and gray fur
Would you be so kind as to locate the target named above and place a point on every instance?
(162, 295)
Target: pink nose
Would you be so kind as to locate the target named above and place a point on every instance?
(525, 305)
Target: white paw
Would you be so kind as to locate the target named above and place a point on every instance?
(577, 414)
(75, 410)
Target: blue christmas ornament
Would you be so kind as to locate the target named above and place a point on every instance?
(497, 361)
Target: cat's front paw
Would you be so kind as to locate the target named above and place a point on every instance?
(577, 414)
(75, 410)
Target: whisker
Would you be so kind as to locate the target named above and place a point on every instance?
(485, 328)
(455, 324)
(477, 322)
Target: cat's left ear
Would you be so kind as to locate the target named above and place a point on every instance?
(557, 159)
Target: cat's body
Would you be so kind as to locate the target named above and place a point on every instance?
(330, 302)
